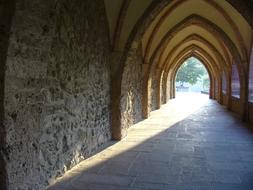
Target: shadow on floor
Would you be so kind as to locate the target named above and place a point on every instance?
(208, 149)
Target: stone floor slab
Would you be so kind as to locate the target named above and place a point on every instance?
(189, 144)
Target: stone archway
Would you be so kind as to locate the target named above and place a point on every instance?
(197, 20)
(134, 41)
(205, 65)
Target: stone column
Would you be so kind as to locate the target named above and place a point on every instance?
(158, 78)
(229, 90)
(145, 91)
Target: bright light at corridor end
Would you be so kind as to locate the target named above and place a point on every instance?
(192, 76)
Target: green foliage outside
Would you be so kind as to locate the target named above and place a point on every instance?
(206, 83)
(191, 72)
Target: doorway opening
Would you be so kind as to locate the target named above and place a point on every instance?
(192, 77)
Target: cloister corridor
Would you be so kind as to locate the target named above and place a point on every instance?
(191, 143)
(88, 95)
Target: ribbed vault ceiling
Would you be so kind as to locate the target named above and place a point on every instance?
(124, 14)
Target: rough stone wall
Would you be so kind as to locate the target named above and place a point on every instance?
(7, 9)
(56, 89)
(153, 91)
(162, 87)
(131, 91)
(168, 83)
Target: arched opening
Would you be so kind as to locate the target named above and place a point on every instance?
(235, 82)
(215, 48)
(250, 93)
(225, 88)
(192, 77)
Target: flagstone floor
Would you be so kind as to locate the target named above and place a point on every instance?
(191, 143)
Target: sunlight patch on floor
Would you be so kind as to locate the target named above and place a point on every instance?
(159, 121)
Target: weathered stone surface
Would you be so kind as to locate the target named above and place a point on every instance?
(131, 91)
(6, 14)
(54, 96)
(153, 102)
(56, 89)
(199, 147)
